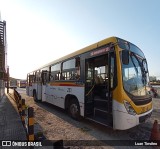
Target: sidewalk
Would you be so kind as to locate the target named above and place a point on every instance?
(11, 127)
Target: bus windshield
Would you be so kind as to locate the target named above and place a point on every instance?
(135, 73)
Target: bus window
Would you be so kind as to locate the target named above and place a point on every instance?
(38, 76)
(100, 73)
(34, 77)
(78, 69)
(71, 69)
(55, 72)
(45, 77)
(89, 74)
(101, 67)
(112, 70)
(31, 79)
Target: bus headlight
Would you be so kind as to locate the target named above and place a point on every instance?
(129, 108)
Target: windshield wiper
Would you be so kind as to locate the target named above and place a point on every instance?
(144, 72)
(144, 76)
(134, 63)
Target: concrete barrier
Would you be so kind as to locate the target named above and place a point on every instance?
(23, 112)
(27, 118)
(30, 124)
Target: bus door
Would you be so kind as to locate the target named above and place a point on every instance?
(97, 89)
(89, 86)
(29, 88)
(27, 85)
(44, 75)
(38, 85)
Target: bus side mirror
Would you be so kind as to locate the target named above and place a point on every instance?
(125, 57)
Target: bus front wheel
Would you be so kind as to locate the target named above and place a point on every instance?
(74, 109)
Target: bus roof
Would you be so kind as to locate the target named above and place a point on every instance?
(83, 50)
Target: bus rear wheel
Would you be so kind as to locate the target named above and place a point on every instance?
(74, 109)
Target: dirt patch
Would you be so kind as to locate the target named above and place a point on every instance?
(57, 125)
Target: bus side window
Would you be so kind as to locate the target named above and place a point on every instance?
(71, 69)
(78, 68)
(38, 76)
(31, 78)
(45, 77)
(34, 77)
(112, 71)
(55, 72)
(57, 76)
(51, 77)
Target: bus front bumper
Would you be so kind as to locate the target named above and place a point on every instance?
(123, 120)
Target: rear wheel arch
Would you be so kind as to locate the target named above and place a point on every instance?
(68, 100)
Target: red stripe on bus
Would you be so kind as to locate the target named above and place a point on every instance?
(65, 84)
(68, 85)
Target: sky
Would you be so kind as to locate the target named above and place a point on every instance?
(40, 31)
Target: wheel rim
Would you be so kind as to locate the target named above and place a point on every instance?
(73, 110)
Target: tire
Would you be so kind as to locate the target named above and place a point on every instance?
(74, 109)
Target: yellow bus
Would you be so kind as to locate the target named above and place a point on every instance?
(105, 82)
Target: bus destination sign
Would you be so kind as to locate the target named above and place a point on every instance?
(100, 51)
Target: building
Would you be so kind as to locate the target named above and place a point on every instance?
(152, 78)
(3, 58)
